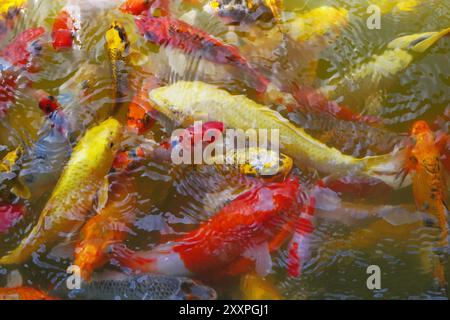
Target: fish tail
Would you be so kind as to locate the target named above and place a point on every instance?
(386, 168)
(128, 258)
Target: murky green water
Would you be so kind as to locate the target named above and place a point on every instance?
(172, 200)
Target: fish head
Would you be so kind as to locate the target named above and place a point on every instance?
(267, 163)
(154, 29)
(116, 38)
(193, 290)
(420, 127)
(135, 7)
(106, 139)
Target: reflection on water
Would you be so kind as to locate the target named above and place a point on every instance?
(349, 235)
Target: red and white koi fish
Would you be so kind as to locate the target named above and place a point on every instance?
(299, 251)
(170, 32)
(239, 230)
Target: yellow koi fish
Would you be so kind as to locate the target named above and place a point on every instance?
(8, 4)
(186, 102)
(75, 191)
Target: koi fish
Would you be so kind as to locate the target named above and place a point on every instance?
(388, 6)
(238, 230)
(169, 32)
(10, 214)
(299, 247)
(368, 78)
(139, 287)
(254, 287)
(10, 160)
(117, 45)
(238, 12)
(110, 225)
(188, 101)
(24, 293)
(65, 27)
(140, 112)
(256, 162)
(322, 23)
(429, 182)
(74, 193)
(44, 161)
(15, 58)
(138, 7)
(9, 4)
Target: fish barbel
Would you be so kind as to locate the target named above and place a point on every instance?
(188, 101)
(75, 191)
(142, 287)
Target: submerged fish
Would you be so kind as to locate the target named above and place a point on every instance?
(65, 26)
(242, 229)
(256, 162)
(15, 58)
(429, 181)
(137, 7)
(10, 159)
(117, 45)
(187, 101)
(75, 191)
(366, 79)
(142, 287)
(318, 25)
(6, 5)
(10, 214)
(246, 11)
(24, 293)
(110, 225)
(254, 287)
(173, 33)
(43, 162)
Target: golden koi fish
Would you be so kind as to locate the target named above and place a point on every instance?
(367, 78)
(254, 287)
(8, 4)
(191, 101)
(75, 191)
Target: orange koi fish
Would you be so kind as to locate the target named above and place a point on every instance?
(110, 225)
(140, 111)
(23, 293)
(241, 229)
(170, 32)
(429, 184)
(64, 29)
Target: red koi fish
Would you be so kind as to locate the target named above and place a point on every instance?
(10, 215)
(166, 31)
(52, 108)
(64, 30)
(244, 226)
(20, 51)
(310, 99)
(23, 293)
(14, 58)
